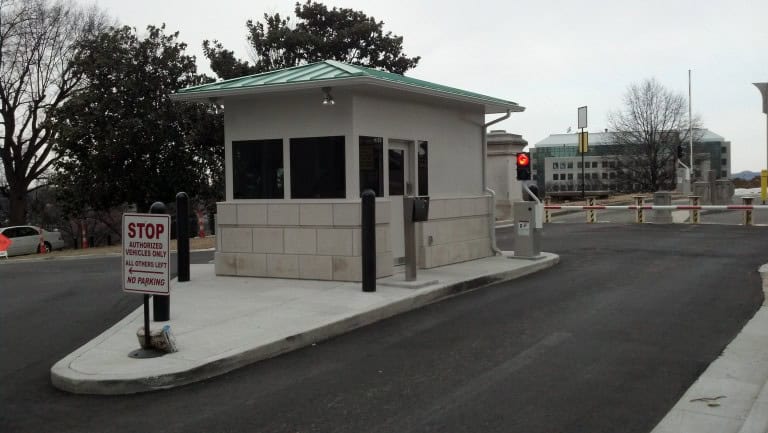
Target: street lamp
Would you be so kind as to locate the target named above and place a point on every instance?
(764, 90)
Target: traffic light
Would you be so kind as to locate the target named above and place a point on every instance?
(523, 166)
(679, 151)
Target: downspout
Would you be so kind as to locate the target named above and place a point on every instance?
(492, 193)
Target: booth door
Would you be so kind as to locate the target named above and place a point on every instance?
(400, 183)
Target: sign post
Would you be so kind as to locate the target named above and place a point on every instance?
(763, 184)
(583, 145)
(146, 263)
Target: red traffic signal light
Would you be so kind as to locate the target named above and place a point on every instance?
(523, 166)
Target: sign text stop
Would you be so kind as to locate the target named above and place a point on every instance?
(146, 253)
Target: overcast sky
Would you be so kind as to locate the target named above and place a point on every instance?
(549, 56)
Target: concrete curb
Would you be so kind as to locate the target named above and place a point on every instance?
(69, 380)
(738, 380)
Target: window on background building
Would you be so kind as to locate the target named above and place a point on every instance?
(594, 175)
(594, 164)
(604, 164)
(578, 165)
(724, 174)
(723, 161)
(570, 164)
(579, 176)
(554, 176)
(605, 175)
(570, 176)
(612, 164)
(613, 175)
(555, 165)
(423, 168)
(372, 164)
(318, 167)
(723, 150)
(257, 169)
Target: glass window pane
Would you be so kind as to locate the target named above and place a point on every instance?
(318, 168)
(372, 164)
(396, 172)
(423, 168)
(257, 169)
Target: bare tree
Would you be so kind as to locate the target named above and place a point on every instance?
(647, 131)
(38, 40)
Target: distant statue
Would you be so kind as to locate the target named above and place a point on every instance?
(569, 130)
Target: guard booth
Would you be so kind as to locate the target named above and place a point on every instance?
(302, 143)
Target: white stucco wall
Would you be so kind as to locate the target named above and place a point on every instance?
(288, 116)
(454, 136)
(260, 238)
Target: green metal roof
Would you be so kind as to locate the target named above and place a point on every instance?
(325, 73)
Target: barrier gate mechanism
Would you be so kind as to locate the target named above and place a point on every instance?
(528, 226)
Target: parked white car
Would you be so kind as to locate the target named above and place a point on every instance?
(26, 240)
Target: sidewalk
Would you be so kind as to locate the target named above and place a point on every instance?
(224, 323)
(731, 396)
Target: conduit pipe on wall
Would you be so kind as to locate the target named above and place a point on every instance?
(492, 193)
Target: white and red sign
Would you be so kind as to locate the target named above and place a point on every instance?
(146, 253)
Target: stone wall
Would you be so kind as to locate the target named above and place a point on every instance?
(317, 240)
(457, 231)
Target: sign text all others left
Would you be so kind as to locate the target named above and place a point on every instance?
(146, 253)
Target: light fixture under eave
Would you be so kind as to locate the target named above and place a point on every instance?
(327, 98)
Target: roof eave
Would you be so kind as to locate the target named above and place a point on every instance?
(207, 95)
(491, 107)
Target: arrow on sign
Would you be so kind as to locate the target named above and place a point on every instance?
(133, 271)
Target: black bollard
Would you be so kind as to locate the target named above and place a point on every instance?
(368, 248)
(161, 305)
(182, 236)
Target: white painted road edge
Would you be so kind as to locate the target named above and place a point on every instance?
(731, 396)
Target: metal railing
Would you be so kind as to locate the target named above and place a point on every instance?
(639, 207)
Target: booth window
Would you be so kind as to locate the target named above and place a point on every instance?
(423, 163)
(257, 169)
(318, 167)
(372, 164)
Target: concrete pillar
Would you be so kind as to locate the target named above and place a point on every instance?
(703, 190)
(662, 198)
(683, 181)
(723, 192)
(502, 170)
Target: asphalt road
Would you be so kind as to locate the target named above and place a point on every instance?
(606, 341)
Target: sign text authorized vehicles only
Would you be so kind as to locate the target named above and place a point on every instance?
(146, 253)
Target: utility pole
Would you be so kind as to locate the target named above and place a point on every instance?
(763, 87)
(690, 128)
